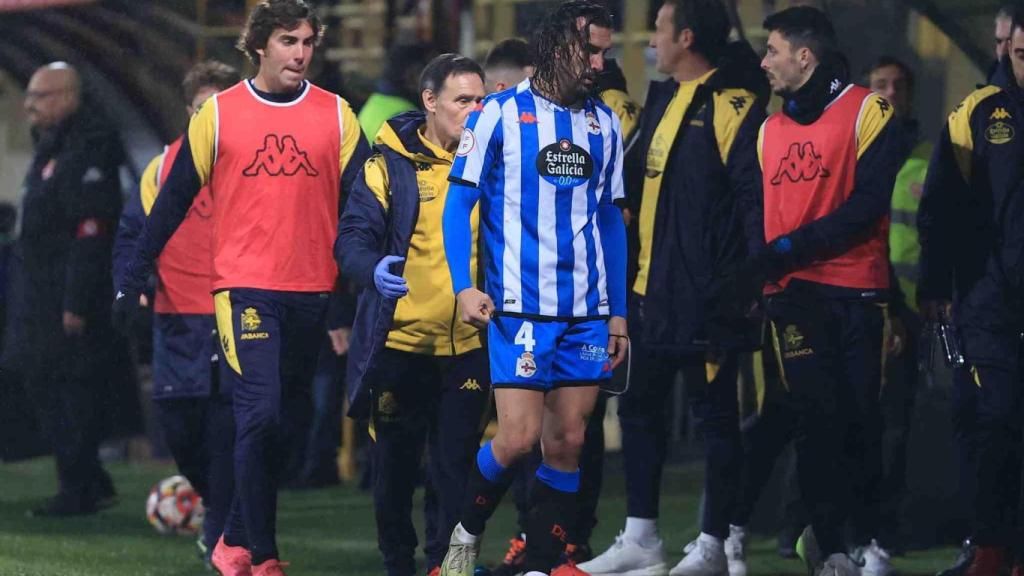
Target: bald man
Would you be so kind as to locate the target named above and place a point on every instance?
(59, 334)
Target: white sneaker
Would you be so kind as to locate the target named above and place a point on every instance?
(706, 558)
(628, 558)
(839, 565)
(875, 560)
(735, 553)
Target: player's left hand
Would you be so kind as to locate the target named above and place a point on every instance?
(618, 341)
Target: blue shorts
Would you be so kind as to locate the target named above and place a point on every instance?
(544, 355)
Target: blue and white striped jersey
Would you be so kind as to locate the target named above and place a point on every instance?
(542, 170)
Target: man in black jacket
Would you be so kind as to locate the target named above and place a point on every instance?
(59, 321)
(693, 175)
(972, 271)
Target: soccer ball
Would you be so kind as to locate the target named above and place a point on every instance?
(174, 506)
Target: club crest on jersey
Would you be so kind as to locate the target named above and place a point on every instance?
(565, 164)
(999, 133)
(467, 144)
(526, 367)
(593, 126)
(280, 156)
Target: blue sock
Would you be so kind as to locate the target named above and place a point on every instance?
(489, 467)
(561, 481)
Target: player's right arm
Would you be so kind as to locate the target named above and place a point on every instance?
(477, 153)
(189, 173)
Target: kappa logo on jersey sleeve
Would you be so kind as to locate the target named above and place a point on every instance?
(801, 163)
(280, 156)
(565, 164)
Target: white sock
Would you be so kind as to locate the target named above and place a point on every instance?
(709, 540)
(642, 531)
(535, 573)
(462, 536)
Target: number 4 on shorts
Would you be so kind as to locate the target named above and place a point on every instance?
(524, 337)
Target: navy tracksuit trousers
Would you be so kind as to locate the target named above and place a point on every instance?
(432, 402)
(270, 340)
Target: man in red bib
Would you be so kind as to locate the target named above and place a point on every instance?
(276, 152)
(829, 162)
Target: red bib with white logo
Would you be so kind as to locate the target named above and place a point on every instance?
(808, 172)
(185, 267)
(275, 186)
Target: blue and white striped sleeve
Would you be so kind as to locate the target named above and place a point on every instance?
(478, 149)
(614, 187)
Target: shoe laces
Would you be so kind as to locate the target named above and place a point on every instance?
(515, 550)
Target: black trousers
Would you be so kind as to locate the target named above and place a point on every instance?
(67, 388)
(987, 415)
(831, 357)
(431, 402)
(269, 341)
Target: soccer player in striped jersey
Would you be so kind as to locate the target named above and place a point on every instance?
(544, 161)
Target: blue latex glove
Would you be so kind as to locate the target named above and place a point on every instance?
(388, 284)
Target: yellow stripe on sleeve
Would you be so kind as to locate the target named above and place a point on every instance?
(350, 133)
(375, 172)
(875, 114)
(731, 109)
(148, 185)
(625, 108)
(202, 139)
(959, 125)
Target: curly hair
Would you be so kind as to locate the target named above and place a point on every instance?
(269, 15)
(560, 48)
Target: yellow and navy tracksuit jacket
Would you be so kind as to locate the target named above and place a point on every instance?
(689, 177)
(395, 209)
(970, 217)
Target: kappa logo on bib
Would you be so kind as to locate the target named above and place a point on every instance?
(565, 164)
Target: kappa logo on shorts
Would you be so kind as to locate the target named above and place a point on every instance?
(471, 384)
(279, 156)
(526, 367)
